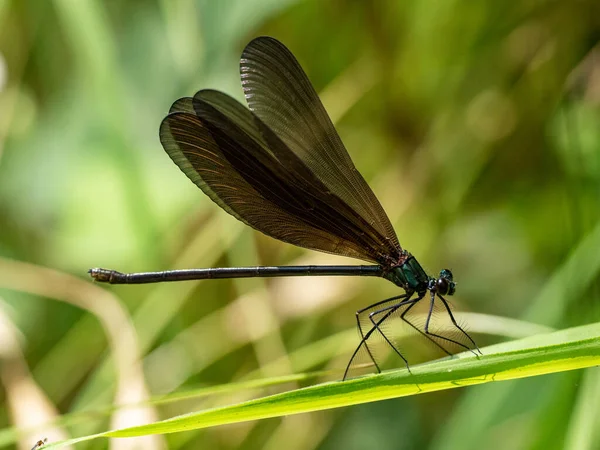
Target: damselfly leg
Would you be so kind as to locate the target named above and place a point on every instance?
(368, 311)
(455, 323)
(386, 312)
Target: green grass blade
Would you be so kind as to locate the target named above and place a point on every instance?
(569, 349)
(478, 410)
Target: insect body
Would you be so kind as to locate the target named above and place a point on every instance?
(281, 168)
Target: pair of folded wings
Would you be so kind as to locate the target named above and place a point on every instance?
(280, 166)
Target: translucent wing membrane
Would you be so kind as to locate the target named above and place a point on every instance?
(279, 93)
(242, 165)
(184, 104)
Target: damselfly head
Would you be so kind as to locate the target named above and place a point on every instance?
(444, 284)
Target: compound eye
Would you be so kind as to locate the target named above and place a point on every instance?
(446, 273)
(442, 286)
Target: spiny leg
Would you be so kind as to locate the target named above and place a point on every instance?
(392, 310)
(445, 303)
(368, 335)
(362, 336)
(437, 335)
(364, 342)
(402, 316)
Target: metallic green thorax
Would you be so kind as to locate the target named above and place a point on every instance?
(409, 275)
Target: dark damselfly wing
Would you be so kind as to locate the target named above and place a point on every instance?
(185, 105)
(243, 165)
(280, 94)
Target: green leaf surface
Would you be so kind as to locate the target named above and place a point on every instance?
(569, 349)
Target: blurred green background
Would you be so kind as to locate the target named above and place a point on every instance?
(475, 123)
